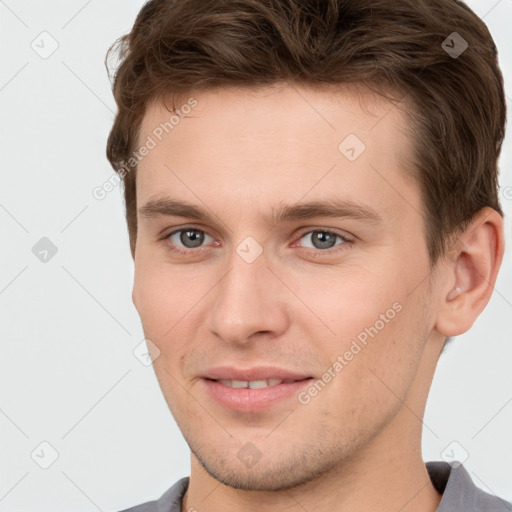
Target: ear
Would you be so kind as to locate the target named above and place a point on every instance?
(471, 273)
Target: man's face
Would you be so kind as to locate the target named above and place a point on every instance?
(339, 300)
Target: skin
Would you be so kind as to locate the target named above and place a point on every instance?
(239, 154)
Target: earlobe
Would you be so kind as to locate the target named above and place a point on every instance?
(471, 272)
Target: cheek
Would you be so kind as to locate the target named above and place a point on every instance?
(151, 300)
(162, 299)
(168, 300)
(161, 294)
(348, 300)
(373, 325)
(371, 378)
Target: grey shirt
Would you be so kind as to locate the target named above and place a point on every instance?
(459, 492)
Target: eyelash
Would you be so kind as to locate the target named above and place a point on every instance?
(347, 242)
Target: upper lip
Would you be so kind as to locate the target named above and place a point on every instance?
(251, 374)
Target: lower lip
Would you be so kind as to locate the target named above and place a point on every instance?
(253, 400)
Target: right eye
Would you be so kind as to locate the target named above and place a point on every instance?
(190, 238)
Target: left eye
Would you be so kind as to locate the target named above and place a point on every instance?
(322, 239)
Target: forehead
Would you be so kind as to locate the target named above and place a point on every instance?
(266, 111)
(275, 143)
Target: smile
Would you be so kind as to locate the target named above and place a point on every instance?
(253, 384)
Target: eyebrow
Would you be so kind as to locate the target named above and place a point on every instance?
(334, 208)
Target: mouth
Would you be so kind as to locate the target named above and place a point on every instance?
(254, 396)
(255, 384)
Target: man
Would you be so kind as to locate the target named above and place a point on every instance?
(311, 197)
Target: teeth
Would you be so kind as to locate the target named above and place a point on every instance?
(253, 384)
(238, 384)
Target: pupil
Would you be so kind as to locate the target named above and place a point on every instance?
(192, 236)
(324, 239)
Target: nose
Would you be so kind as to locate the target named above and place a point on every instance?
(249, 301)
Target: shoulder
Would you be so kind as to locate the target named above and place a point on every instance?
(150, 506)
(491, 503)
(170, 501)
(459, 492)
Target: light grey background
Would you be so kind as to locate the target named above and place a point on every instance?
(68, 328)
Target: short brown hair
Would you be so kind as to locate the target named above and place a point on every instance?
(458, 113)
